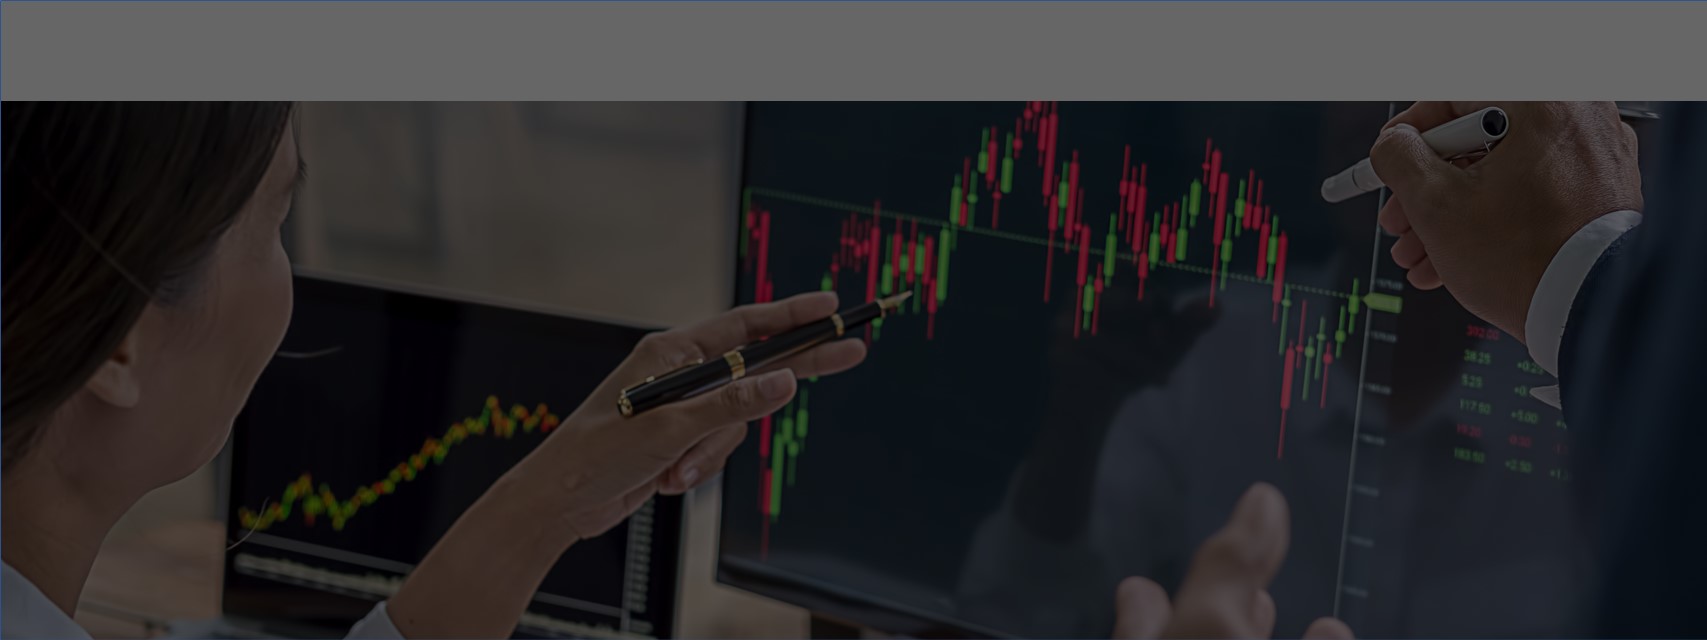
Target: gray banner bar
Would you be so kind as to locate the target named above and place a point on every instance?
(842, 50)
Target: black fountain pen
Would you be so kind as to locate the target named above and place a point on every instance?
(700, 376)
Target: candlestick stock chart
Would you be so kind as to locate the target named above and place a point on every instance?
(1114, 298)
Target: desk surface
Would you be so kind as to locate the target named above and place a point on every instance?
(172, 571)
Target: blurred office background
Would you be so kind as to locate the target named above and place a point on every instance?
(621, 211)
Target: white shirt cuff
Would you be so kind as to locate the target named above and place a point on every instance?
(1551, 306)
(376, 626)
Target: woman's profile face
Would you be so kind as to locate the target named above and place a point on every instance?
(198, 357)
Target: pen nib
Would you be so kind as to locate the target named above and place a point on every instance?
(892, 302)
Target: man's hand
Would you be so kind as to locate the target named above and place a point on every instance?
(1225, 594)
(1488, 229)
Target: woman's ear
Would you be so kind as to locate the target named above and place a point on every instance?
(116, 380)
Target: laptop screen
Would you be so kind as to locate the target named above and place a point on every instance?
(342, 475)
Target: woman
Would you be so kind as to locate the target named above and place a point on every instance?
(146, 287)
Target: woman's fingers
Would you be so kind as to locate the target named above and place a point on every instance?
(665, 351)
(739, 326)
(707, 428)
(825, 359)
(747, 399)
(707, 457)
(704, 461)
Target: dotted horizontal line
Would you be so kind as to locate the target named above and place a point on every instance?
(1017, 237)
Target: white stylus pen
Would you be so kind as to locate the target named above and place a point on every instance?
(1474, 132)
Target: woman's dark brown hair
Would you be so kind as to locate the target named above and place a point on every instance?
(109, 206)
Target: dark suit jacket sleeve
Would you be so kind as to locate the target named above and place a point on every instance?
(1633, 368)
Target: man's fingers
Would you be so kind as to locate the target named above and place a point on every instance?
(1425, 115)
(825, 359)
(1409, 251)
(1248, 551)
(704, 460)
(1328, 629)
(1408, 165)
(1423, 276)
(1262, 614)
(1631, 142)
(1141, 610)
(741, 401)
(1223, 591)
(1393, 219)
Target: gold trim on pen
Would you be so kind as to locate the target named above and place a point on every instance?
(737, 364)
(626, 406)
(891, 303)
(840, 327)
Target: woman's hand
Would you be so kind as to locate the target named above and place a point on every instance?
(1225, 594)
(604, 466)
(598, 467)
